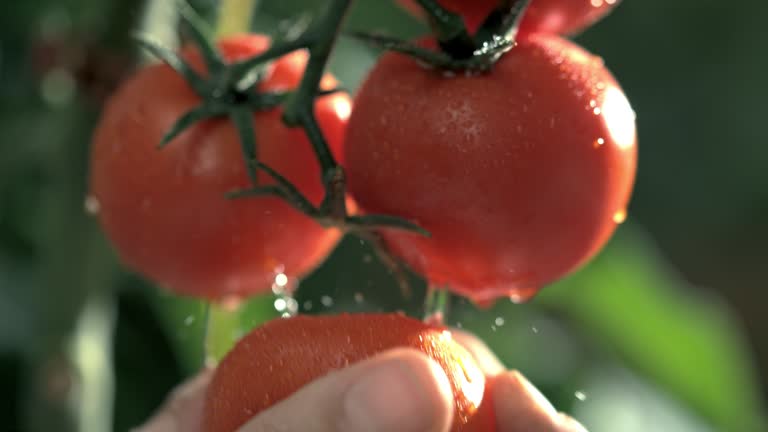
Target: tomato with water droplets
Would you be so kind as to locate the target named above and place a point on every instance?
(283, 355)
(520, 174)
(549, 16)
(166, 211)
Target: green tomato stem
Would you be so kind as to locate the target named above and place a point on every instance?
(300, 108)
(222, 327)
(235, 17)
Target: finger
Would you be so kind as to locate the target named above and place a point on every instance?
(181, 410)
(401, 390)
(484, 357)
(520, 407)
(569, 424)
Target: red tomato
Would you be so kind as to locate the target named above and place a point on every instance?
(521, 175)
(165, 210)
(280, 357)
(549, 16)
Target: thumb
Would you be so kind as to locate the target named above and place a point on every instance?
(400, 390)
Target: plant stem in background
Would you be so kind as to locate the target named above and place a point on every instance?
(222, 327)
(235, 17)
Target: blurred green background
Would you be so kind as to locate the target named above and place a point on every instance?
(664, 331)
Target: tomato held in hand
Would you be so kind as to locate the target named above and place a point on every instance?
(166, 211)
(521, 174)
(548, 16)
(280, 357)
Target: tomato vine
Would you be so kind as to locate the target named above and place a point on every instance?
(228, 91)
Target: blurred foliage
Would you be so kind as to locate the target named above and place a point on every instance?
(625, 337)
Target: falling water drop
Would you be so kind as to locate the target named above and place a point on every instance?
(580, 395)
(522, 295)
(620, 216)
(598, 143)
(359, 298)
(326, 301)
(92, 205)
(284, 287)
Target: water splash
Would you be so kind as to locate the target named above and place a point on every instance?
(284, 287)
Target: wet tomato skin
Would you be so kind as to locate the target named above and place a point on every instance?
(521, 175)
(280, 357)
(165, 211)
(548, 16)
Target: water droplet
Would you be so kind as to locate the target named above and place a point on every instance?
(189, 320)
(580, 395)
(535, 329)
(493, 328)
(359, 298)
(281, 280)
(307, 305)
(598, 142)
(499, 321)
(620, 216)
(280, 305)
(92, 205)
(596, 3)
(326, 301)
(597, 111)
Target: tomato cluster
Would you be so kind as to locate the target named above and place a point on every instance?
(520, 174)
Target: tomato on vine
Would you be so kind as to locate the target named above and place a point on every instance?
(549, 16)
(271, 363)
(166, 211)
(520, 174)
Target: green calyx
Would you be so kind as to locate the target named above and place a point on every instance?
(231, 91)
(460, 51)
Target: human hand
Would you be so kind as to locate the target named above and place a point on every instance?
(400, 390)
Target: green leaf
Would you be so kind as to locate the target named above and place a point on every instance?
(682, 338)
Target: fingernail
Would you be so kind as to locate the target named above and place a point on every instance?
(392, 397)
